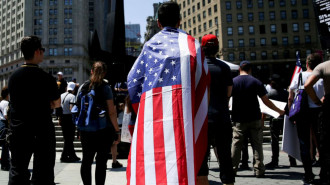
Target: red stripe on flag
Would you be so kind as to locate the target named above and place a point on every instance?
(140, 175)
(201, 145)
(180, 143)
(159, 145)
(128, 170)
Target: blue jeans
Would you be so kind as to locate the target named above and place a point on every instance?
(5, 159)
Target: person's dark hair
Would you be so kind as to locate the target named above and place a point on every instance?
(99, 70)
(169, 14)
(29, 45)
(4, 92)
(246, 67)
(210, 50)
(313, 60)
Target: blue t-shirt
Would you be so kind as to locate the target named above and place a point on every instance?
(245, 104)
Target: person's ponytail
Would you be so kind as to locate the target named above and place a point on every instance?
(99, 70)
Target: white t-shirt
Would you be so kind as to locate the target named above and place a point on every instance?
(318, 87)
(69, 99)
(3, 108)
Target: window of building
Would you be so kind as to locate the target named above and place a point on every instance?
(273, 28)
(239, 4)
(262, 29)
(228, 5)
(274, 41)
(293, 2)
(306, 13)
(199, 28)
(217, 32)
(185, 25)
(264, 55)
(285, 41)
(275, 55)
(204, 14)
(51, 52)
(295, 27)
(241, 56)
(240, 42)
(250, 16)
(69, 2)
(253, 56)
(252, 42)
(261, 16)
(294, 14)
(67, 61)
(210, 24)
(249, 4)
(260, 3)
(231, 56)
(282, 3)
(203, 2)
(194, 20)
(286, 54)
(230, 31)
(229, 18)
(199, 17)
(209, 11)
(216, 21)
(184, 14)
(283, 14)
(52, 62)
(251, 29)
(308, 39)
(271, 3)
(272, 15)
(284, 28)
(263, 42)
(188, 1)
(307, 26)
(239, 17)
(68, 71)
(215, 8)
(193, 9)
(304, 2)
(240, 30)
(204, 26)
(230, 43)
(188, 11)
(194, 31)
(296, 40)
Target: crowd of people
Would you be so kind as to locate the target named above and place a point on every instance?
(178, 92)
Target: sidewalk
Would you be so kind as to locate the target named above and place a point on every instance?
(69, 173)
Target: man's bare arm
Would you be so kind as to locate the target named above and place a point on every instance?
(270, 104)
(55, 103)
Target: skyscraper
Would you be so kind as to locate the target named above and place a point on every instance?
(63, 27)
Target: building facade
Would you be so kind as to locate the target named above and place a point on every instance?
(133, 39)
(63, 27)
(261, 31)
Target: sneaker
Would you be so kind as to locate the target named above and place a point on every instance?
(307, 180)
(316, 163)
(261, 175)
(272, 165)
(117, 164)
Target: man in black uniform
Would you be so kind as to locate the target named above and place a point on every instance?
(220, 129)
(33, 93)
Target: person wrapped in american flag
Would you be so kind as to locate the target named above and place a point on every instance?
(168, 87)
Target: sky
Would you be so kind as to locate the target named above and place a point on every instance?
(137, 11)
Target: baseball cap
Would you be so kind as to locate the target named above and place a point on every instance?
(244, 62)
(71, 86)
(210, 40)
(60, 73)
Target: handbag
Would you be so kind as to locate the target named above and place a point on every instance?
(300, 103)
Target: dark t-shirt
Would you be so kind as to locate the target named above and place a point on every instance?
(220, 80)
(31, 90)
(245, 108)
(62, 85)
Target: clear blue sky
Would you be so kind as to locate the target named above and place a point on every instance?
(137, 11)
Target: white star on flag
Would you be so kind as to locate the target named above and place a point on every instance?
(173, 62)
(160, 80)
(155, 60)
(173, 78)
(150, 70)
(167, 71)
(153, 48)
(150, 56)
(134, 80)
(150, 83)
(160, 52)
(172, 49)
(155, 74)
(139, 94)
(142, 62)
(146, 65)
(161, 65)
(138, 71)
(159, 42)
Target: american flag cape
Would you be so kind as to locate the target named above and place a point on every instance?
(297, 69)
(168, 87)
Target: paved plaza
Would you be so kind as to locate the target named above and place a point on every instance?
(69, 173)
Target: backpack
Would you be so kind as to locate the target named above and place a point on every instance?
(89, 112)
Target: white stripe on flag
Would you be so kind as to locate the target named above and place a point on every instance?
(169, 137)
(149, 155)
(133, 153)
(198, 65)
(187, 104)
(200, 116)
